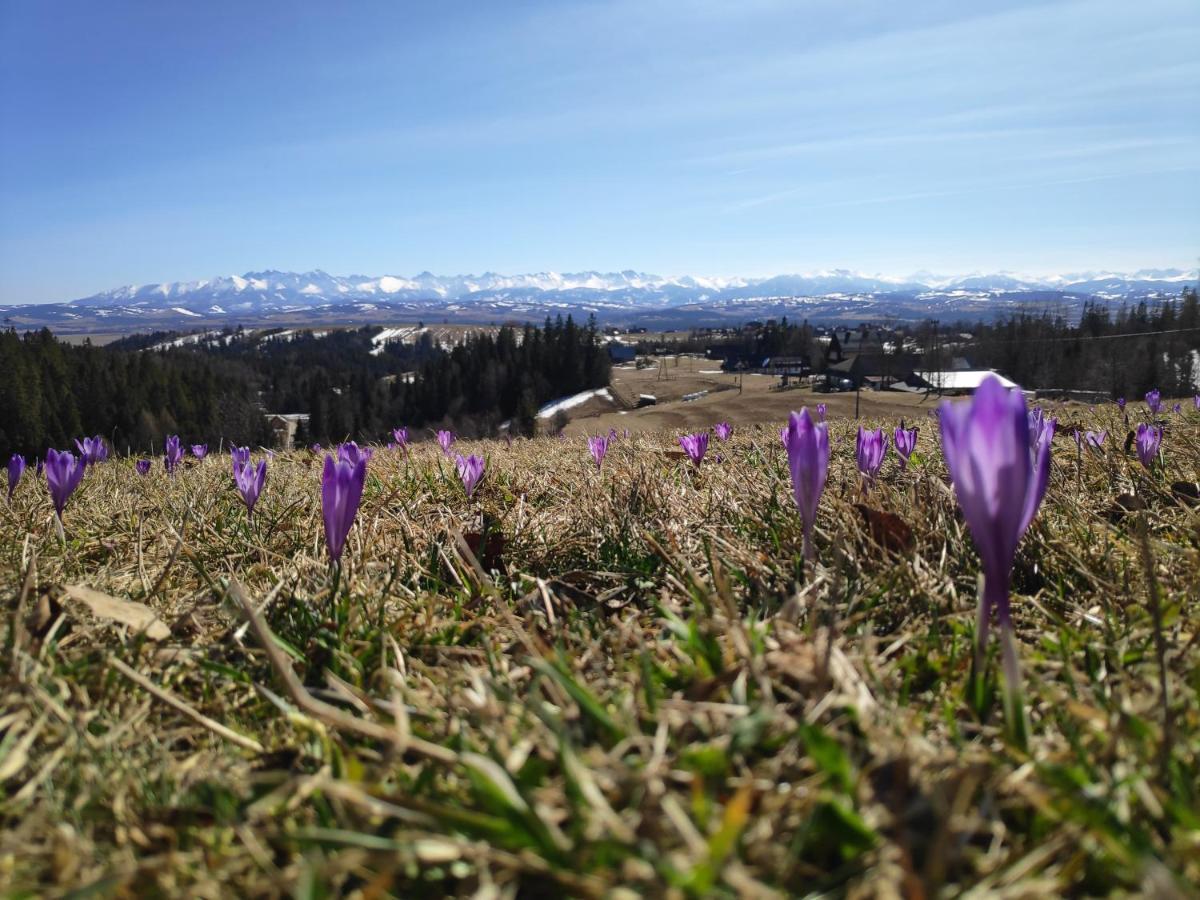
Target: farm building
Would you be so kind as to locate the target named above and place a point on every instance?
(956, 382)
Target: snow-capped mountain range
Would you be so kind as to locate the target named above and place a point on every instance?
(316, 296)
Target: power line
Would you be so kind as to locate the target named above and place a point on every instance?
(1102, 337)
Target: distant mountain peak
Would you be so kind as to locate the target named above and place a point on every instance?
(628, 295)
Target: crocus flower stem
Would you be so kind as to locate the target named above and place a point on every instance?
(1014, 701)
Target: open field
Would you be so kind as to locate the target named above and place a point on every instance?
(640, 690)
(753, 404)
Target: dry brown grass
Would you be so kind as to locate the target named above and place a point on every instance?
(644, 692)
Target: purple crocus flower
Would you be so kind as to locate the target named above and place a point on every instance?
(906, 443)
(1000, 470)
(821, 411)
(445, 439)
(1148, 440)
(142, 466)
(173, 453)
(723, 430)
(598, 447)
(92, 450)
(199, 450)
(1095, 439)
(1154, 401)
(1121, 404)
(807, 444)
(240, 456)
(470, 470)
(1196, 402)
(400, 436)
(1041, 427)
(250, 480)
(63, 474)
(350, 452)
(341, 492)
(16, 468)
(315, 448)
(1177, 408)
(695, 446)
(870, 448)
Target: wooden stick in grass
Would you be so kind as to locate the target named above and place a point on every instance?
(175, 703)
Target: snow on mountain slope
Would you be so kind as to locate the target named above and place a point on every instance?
(286, 299)
(272, 290)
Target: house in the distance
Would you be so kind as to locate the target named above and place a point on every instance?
(873, 369)
(620, 353)
(283, 428)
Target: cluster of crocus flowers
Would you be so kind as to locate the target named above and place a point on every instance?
(1000, 467)
(598, 447)
(870, 448)
(92, 450)
(695, 446)
(172, 453)
(1148, 440)
(445, 440)
(470, 471)
(723, 431)
(807, 445)
(63, 474)
(1154, 401)
(199, 450)
(341, 492)
(906, 442)
(16, 468)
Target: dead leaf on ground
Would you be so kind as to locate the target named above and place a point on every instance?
(136, 616)
(887, 529)
(1124, 505)
(1187, 492)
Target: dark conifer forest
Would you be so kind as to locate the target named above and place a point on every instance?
(1122, 352)
(219, 390)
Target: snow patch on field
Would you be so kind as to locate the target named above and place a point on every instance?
(186, 312)
(550, 409)
(388, 335)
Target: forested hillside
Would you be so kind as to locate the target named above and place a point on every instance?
(218, 390)
(1125, 352)
(56, 392)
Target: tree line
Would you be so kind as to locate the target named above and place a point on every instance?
(55, 392)
(137, 390)
(1122, 352)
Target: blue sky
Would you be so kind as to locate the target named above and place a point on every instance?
(155, 141)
